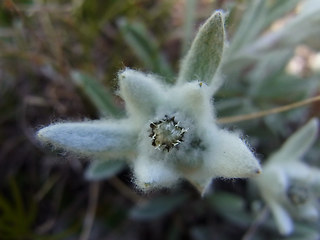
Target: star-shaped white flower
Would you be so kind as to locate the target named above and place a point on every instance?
(170, 132)
(289, 186)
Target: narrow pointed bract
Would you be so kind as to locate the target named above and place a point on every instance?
(203, 59)
(230, 148)
(282, 218)
(90, 138)
(141, 92)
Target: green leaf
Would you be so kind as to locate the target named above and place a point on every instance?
(231, 207)
(157, 207)
(278, 87)
(97, 93)
(205, 54)
(271, 64)
(297, 145)
(145, 47)
(104, 169)
(267, 68)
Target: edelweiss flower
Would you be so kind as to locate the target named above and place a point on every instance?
(289, 186)
(170, 133)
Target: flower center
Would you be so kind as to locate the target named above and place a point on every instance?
(297, 194)
(166, 133)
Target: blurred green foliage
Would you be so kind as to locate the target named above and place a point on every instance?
(16, 221)
(59, 59)
(145, 47)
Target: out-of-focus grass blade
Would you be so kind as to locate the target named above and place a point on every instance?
(271, 64)
(267, 68)
(145, 47)
(157, 207)
(101, 12)
(259, 16)
(97, 13)
(97, 93)
(104, 169)
(66, 233)
(280, 9)
(301, 27)
(189, 20)
(19, 210)
(249, 26)
(15, 220)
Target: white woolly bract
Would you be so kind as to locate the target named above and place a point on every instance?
(94, 137)
(193, 99)
(151, 174)
(229, 157)
(141, 92)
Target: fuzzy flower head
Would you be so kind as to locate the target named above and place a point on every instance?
(289, 186)
(170, 132)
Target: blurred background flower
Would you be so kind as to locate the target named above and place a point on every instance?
(288, 185)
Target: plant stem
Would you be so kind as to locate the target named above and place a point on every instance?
(264, 113)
